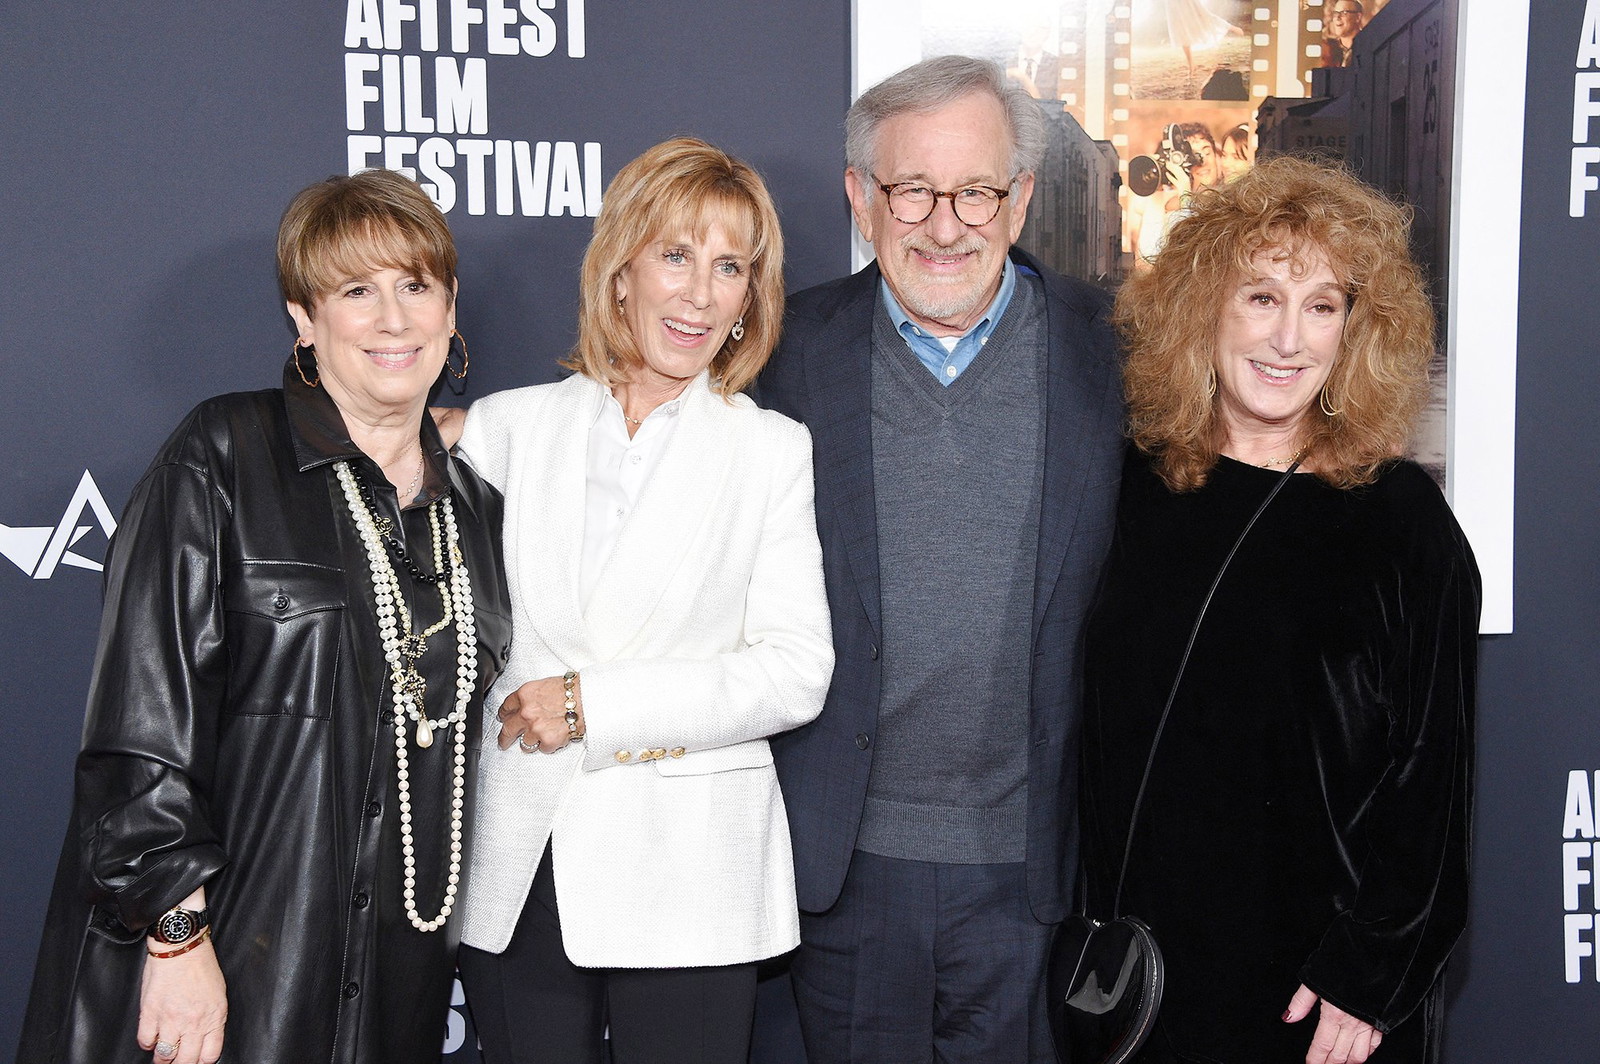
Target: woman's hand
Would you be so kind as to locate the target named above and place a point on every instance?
(1340, 1037)
(537, 711)
(183, 1001)
(450, 420)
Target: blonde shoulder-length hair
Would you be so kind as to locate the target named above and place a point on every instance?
(1168, 318)
(681, 186)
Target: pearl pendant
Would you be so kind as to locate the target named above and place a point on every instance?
(424, 733)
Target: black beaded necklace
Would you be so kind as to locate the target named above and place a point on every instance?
(393, 543)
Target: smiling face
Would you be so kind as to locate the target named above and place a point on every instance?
(1207, 172)
(1276, 344)
(381, 338)
(681, 298)
(943, 272)
(1344, 19)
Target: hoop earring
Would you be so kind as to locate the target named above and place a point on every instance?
(296, 356)
(455, 334)
(1211, 383)
(737, 332)
(1327, 407)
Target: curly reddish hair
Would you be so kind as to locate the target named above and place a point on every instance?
(1291, 208)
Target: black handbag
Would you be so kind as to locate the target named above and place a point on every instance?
(1104, 983)
(1104, 978)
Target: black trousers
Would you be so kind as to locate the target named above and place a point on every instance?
(531, 1005)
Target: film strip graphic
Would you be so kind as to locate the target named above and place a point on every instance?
(1312, 19)
(1116, 37)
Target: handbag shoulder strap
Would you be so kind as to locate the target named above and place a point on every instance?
(1183, 663)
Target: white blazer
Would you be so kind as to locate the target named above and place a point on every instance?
(706, 632)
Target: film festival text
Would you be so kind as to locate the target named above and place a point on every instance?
(417, 100)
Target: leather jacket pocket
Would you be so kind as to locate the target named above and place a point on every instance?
(494, 644)
(285, 624)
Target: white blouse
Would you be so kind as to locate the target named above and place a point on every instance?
(619, 468)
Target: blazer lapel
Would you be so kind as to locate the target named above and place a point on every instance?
(839, 375)
(1073, 400)
(658, 536)
(552, 517)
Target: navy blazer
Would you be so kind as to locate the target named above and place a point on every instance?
(821, 375)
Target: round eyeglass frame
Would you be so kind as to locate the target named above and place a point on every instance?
(933, 202)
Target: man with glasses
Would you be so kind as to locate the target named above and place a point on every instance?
(1344, 22)
(966, 415)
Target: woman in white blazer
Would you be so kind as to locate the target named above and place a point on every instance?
(631, 860)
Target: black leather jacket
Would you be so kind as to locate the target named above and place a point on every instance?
(238, 736)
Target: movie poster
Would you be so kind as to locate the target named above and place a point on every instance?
(1151, 101)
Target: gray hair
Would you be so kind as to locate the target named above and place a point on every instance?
(925, 87)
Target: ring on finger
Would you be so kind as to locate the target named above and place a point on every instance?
(166, 1049)
(525, 747)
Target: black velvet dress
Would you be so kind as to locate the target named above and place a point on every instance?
(1308, 815)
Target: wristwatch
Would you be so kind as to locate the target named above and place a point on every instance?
(177, 925)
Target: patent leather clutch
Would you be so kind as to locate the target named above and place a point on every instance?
(1104, 984)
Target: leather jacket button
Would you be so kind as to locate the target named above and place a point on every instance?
(280, 601)
(863, 741)
(351, 989)
(361, 899)
(374, 808)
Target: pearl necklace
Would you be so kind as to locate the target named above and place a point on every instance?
(401, 649)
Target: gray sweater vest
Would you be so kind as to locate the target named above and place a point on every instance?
(958, 476)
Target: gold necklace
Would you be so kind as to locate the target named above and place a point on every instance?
(411, 489)
(1289, 461)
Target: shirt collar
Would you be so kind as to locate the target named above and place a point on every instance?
(670, 408)
(320, 438)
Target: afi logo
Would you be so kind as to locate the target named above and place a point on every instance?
(37, 551)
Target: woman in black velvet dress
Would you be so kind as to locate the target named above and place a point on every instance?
(1301, 853)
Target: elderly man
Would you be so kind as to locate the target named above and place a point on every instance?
(966, 413)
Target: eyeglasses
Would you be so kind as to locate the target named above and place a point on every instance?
(1348, 12)
(975, 205)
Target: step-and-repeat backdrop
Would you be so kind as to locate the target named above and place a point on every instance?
(149, 150)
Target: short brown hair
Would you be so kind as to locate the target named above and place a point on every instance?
(342, 226)
(678, 186)
(1168, 319)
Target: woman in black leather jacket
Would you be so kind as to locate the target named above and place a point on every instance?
(304, 607)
